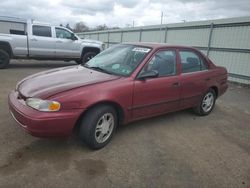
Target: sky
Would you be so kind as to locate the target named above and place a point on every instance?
(123, 13)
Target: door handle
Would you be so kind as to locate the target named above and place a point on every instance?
(176, 84)
(207, 79)
(58, 41)
(33, 39)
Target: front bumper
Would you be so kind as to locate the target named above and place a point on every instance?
(42, 124)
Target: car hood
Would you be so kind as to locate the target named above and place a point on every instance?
(90, 41)
(48, 83)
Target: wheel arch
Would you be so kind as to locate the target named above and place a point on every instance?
(115, 105)
(90, 49)
(215, 88)
(6, 47)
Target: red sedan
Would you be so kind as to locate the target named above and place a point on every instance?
(124, 83)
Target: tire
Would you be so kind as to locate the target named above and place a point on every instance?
(206, 104)
(95, 124)
(86, 57)
(4, 59)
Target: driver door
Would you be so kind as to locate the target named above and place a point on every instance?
(154, 96)
(66, 47)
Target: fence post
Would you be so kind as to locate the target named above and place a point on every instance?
(121, 36)
(98, 36)
(210, 38)
(140, 35)
(108, 38)
(166, 31)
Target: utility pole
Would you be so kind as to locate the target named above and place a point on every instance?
(161, 25)
(161, 17)
(133, 23)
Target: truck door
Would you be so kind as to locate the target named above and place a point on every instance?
(41, 43)
(67, 46)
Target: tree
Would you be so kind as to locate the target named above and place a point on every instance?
(115, 27)
(80, 27)
(101, 27)
(68, 27)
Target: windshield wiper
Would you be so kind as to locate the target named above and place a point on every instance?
(99, 69)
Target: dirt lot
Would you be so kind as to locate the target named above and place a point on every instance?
(175, 150)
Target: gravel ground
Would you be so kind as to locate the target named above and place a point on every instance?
(175, 150)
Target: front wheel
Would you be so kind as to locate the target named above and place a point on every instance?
(98, 125)
(86, 57)
(206, 104)
(4, 59)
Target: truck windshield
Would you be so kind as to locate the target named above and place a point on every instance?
(121, 59)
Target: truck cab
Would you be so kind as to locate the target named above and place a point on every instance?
(36, 40)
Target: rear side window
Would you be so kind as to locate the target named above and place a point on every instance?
(17, 32)
(43, 31)
(191, 62)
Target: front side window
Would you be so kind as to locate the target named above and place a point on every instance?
(121, 59)
(43, 31)
(164, 62)
(191, 62)
(62, 33)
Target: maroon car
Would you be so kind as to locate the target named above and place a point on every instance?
(124, 83)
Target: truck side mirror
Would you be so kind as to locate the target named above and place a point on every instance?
(73, 37)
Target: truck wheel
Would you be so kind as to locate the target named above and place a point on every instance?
(4, 59)
(97, 126)
(206, 104)
(87, 56)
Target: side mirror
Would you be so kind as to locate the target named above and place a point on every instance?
(148, 74)
(73, 37)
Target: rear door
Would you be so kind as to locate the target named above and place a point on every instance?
(41, 42)
(194, 77)
(65, 46)
(159, 95)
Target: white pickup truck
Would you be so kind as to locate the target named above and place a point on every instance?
(26, 39)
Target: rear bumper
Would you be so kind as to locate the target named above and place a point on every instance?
(42, 124)
(223, 89)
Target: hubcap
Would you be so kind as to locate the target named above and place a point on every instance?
(104, 127)
(207, 102)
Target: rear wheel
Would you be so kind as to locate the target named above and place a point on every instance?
(4, 59)
(206, 104)
(98, 125)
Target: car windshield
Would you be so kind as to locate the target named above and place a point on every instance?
(121, 59)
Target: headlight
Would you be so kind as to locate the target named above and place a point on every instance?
(103, 46)
(43, 105)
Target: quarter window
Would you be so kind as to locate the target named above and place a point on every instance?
(164, 62)
(191, 62)
(62, 33)
(43, 31)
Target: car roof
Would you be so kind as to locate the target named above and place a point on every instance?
(158, 45)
